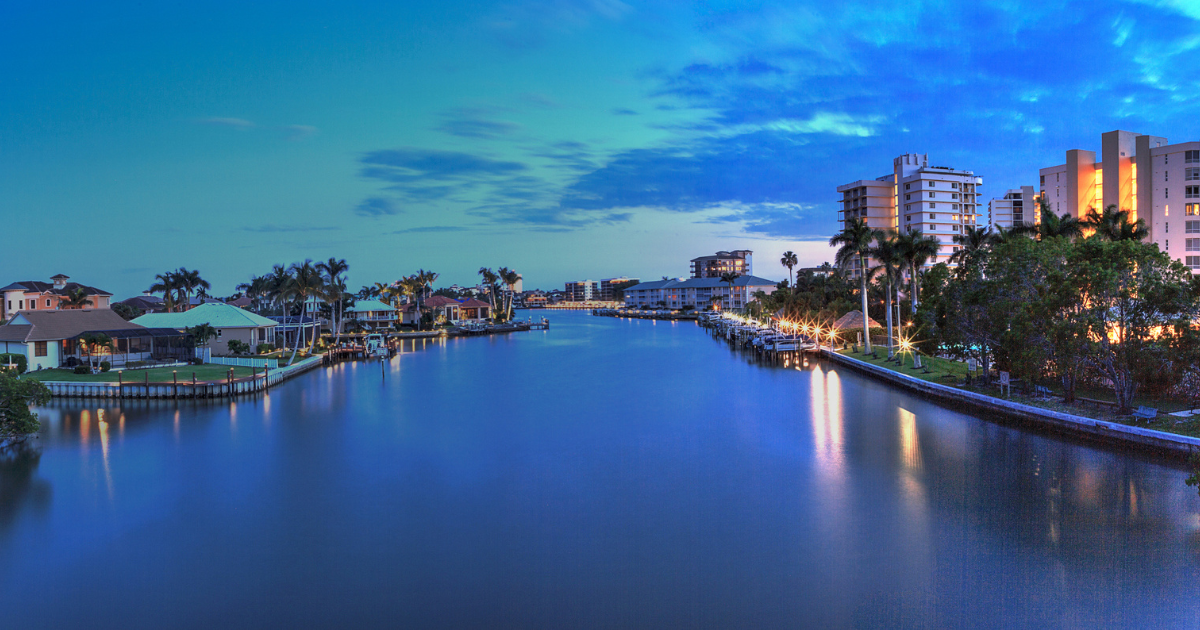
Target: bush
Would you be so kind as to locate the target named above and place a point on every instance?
(105, 366)
(18, 361)
(238, 347)
(196, 361)
(135, 364)
(264, 348)
(83, 369)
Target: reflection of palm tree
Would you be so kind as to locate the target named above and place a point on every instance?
(789, 260)
(854, 245)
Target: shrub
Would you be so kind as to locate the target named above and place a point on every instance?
(237, 346)
(264, 348)
(105, 366)
(83, 369)
(135, 364)
(18, 361)
(196, 361)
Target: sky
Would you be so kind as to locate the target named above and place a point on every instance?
(566, 139)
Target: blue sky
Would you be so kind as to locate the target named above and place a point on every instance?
(564, 138)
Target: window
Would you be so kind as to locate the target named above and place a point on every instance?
(20, 305)
(47, 302)
(1166, 176)
(954, 206)
(1043, 180)
(932, 216)
(954, 195)
(908, 217)
(907, 197)
(1166, 193)
(39, 347)
(1192, 227)
(932, 184)
(1191, 244)
(218, 333)
(1192, 209)
(955, 228)
(1166, 228)
(932, 205)
(1191, 192)
(1193, 262)
(906, 186)
(1191, 174)
(1191, 157)
(932, 195)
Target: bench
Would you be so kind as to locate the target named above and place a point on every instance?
(1042, 390)
(1145, 413)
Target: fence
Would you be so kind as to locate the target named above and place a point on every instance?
(214, 389)
(255, 362)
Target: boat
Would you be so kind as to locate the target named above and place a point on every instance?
(376, 346)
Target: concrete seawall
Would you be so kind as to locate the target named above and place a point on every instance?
(1159, 442)
(216, 389)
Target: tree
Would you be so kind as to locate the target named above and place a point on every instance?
(76, 298)
(789, 260)
(126, 311)
(17, 420)
(1115, 225)
(891, 263)
(510, 279)
(167, 284)
(202, 333)
(188, 281)
(307, 283)
(729, 278)
(1054, 226)
(916, 249)
(95, 344)
(972, 244)
(490, 279)
(334, 269)
(854, 245)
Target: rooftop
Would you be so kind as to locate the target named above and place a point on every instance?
(215, 314)
(48, 325)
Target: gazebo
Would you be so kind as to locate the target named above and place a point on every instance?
(853, 319)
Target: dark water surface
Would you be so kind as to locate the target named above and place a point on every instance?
(606, 473)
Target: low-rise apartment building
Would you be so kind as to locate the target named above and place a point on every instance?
(740, 262)
(582, 291)
(1017, 208)
(698, 293)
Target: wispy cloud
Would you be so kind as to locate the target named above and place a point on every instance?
(273, 229)
(623, 111)
(431, 229)
(377, 207)
(529, 23)
(299, 132)
(240, 124)
(413, 165)
(478, 128)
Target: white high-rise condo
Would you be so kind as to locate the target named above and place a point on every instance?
(1155, 181)
(936, 200)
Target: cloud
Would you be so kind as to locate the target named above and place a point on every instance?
(376, 207)
(478, 128)
(530, 23)
(299, 132)
(272, 229)
(409, 165)
(776, 220)
(428, 229)
(240, 124)
(622, 111)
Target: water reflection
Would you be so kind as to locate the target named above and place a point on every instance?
(22, 492)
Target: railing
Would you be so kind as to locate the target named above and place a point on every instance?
(245, 362)
(182, 389)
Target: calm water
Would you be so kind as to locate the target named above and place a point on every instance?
(606, 473)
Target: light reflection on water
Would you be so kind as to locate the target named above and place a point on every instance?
(597, 474)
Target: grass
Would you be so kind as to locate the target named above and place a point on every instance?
(953, 374)
(204, 373)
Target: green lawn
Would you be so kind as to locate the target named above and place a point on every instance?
(943, 369)
(157, 375)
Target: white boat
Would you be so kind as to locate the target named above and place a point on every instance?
(376, 346)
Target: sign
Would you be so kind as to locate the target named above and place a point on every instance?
(972, 365)
(1004, 379)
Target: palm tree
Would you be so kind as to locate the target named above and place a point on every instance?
(75, 299)
(90, 344)
(1115, 225)
(972, 243)
(729, 278)
(423, 282)
(190, 280)
(789, 260)
(891, 263)
(202, 333)
(917, 249)
(306, 283)
(1052, 226)
(333, 269)
(854, 245)
(490, 279)
(167, 284)
(509, 278)
(278, 285)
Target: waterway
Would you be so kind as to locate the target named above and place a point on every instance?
(604, 473)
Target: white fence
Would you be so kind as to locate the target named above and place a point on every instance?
(256, 362)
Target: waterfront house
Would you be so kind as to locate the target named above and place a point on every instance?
(51, 339)
(474, 310)
(698, 293)
(373, 314)
(443, 308)
(34, 295)
(231, 322)
(288, 326)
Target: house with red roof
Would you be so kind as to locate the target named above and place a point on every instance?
(35, 295)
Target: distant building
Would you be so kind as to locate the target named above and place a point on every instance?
(606, 287)
(1018, 208)
(739, 262)
(582, 291)
(34, 295)
(938, 201)
(1139, 173)
(699, 293)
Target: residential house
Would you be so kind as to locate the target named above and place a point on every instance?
(474, 310)
(51, 339)
(373, 314)
(231, 322)
(34, 295)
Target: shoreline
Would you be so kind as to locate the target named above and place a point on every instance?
(1161, 443)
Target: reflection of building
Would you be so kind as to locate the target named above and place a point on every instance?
(1018, 208)
(937, 201)
(1139, 173)
(31, 295)
(606, 287)
(698, 293)
(738, 262)
(583, 291)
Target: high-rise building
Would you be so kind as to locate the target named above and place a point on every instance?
(936, 200)
(1017, 208)
(739, 262)
(1155, 181)
(606, 287)
(582, 291)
